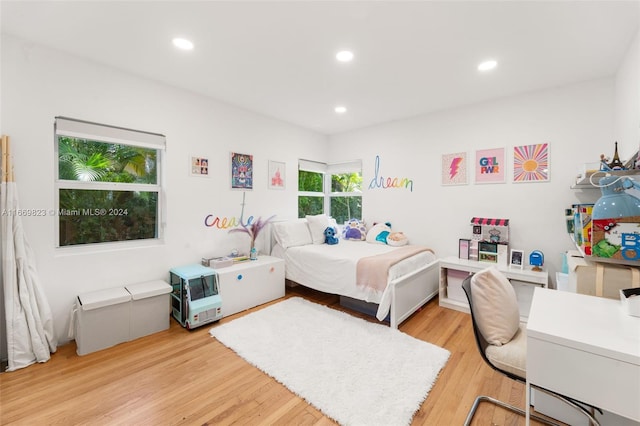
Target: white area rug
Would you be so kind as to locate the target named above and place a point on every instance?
(354, 371)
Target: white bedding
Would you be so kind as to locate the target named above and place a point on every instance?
(332, 269)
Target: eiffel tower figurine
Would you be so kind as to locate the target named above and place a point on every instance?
(616, 164)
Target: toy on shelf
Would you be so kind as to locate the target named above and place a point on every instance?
(490, 240)
(536, 259)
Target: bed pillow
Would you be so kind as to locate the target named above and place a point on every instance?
(378, 233)
(292, 233)
(317, 225)
(354, 230)
(495, 306)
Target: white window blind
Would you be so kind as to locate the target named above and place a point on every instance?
(94, 131)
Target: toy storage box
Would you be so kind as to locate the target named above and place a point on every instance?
(150, 308)
(102, 319)
(584, 276)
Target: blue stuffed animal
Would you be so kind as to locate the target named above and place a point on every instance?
(330, 235)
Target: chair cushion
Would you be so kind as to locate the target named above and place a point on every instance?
(512, 356)
(495, 306)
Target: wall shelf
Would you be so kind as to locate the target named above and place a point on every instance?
(583, 182)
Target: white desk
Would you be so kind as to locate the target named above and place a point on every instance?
(585, 347)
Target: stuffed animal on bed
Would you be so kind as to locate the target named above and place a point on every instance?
(397, 239)
(330, 235)
(354, 229)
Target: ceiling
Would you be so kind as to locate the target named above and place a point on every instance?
(278, 58)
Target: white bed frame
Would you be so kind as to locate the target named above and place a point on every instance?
(411, 291)
(408, 292)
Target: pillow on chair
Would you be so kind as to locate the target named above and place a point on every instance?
(495, 306)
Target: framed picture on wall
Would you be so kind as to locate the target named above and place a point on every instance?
(277, 174)
(199, 166)
(241, 171)
(531, 163)
(490, 166)
(454, 169)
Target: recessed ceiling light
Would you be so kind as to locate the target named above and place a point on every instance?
(487, 65)
(340, 109)
(344, 56)
(182, 43)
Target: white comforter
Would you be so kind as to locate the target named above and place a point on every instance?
(332, 269)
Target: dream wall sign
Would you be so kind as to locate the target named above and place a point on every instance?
(380, 181)
(490, 166)
(454, 169)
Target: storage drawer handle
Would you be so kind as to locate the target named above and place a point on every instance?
(239, 277)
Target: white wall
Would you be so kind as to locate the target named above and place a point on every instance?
(39, 84)
(577, 122)
(627, 107)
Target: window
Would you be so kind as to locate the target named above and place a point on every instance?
(310, 187)
(108, 183)
(340, 196)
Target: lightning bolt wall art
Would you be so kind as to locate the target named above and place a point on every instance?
(454, 169)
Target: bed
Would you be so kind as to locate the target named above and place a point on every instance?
(410, 282)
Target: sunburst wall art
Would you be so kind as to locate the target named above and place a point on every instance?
(531, 163)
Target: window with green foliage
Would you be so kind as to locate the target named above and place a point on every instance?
(346, 196)
(340, 195)
(310, 193)
(108, 184)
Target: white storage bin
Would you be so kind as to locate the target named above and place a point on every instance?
(150, 307)
(102, 319)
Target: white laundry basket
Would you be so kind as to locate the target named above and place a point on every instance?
(150, 307)
(102, 319)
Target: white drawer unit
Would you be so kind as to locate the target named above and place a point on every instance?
(250, 283)
(454, 270)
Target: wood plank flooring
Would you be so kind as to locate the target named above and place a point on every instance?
(181, 377)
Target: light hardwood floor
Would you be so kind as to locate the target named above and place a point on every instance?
(181, 377)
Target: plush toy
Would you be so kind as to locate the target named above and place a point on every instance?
(330, 236)
(354, 229)
(379, 233)
(397, 239)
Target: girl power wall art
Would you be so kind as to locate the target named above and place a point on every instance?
(490, 167)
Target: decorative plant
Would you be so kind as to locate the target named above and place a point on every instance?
(253, 229)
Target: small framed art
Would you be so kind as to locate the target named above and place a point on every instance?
(277, 175)
(199, 166)
(241, 171)
(454, 169)
(463, 248)
(516, 260)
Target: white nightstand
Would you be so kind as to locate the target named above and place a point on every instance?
(250, 283)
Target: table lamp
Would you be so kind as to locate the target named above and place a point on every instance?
(615, 201)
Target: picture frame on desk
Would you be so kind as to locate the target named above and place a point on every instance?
(516, 259)
(464, 246)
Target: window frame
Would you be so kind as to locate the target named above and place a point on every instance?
(102, 133)
(328, 171)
